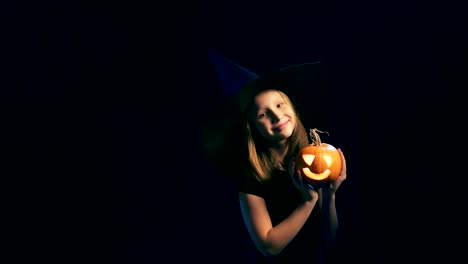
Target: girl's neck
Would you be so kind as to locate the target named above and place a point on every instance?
(280, 149)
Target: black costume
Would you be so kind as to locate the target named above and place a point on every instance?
(282, 197)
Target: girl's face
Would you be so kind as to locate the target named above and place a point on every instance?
(273, 115)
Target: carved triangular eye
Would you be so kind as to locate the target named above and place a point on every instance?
(308, 158)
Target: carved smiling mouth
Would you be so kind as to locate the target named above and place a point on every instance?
(314, 176)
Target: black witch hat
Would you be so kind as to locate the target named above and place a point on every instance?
(305, 80)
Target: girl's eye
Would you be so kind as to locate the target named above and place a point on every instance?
(280, 105)
(261, 115)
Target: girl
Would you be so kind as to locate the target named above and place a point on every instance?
(288, 220)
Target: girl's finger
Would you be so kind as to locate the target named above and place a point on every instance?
(299, 176)
(291, 167)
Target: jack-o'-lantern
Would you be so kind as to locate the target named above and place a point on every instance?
(318, 162)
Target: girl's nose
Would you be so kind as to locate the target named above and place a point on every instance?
(275, 116)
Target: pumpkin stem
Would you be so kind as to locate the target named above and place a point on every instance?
(315, 137)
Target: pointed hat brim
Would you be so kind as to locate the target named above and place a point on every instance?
(299, 81)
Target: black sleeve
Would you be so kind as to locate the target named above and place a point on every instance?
(250, 184)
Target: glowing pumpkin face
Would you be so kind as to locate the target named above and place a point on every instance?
(318, 162)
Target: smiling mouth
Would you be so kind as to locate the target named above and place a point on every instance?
(281, 126)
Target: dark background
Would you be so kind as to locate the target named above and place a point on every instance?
(100, 103)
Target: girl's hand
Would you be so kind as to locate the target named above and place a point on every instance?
(306, 190)
(335, 184)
